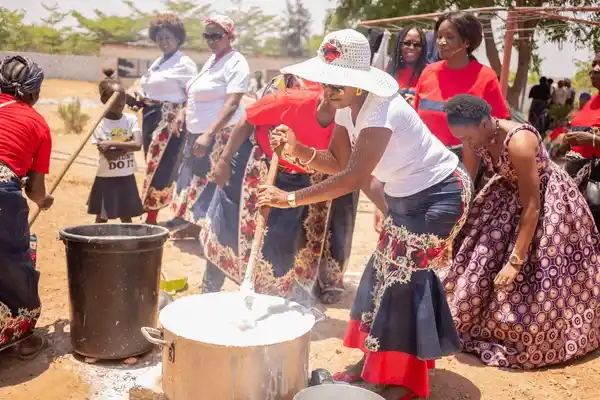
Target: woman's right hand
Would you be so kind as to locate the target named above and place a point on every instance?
(378, 220)
(46, 202)
(222, 173)
(178, 122)
(284, 135)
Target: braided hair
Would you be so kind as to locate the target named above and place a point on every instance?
(397, 62)
(465, 109)
(109, 84)
(20, 77)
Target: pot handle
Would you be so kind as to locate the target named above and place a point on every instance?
(319, 315)
(154, 336)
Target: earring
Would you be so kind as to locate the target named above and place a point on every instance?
(359, 92)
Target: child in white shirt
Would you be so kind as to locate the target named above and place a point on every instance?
(114, 193)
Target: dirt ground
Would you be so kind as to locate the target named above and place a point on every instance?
(57, 374)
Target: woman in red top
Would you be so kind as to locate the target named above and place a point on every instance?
(458, 34)
(25, 146)
(306, 249)
(582, 137)
(409, 59)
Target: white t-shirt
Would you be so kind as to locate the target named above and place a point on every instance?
(208, 91)
(125, 129)
(560, 96)
(414, 159)
(167, 81)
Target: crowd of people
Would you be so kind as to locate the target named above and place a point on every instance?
(486, 245)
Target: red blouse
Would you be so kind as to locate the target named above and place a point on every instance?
(438, 84)
(295, 108)
(588, 117)
(25, 141)
(403, 76)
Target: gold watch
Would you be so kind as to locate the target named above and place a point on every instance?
(291, 199)
(515, 260)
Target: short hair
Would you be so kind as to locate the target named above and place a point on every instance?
(168, 21)
(110, 83)
(468, 26)
(465, 109)
(543, 79)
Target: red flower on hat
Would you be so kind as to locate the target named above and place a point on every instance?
(331, 51)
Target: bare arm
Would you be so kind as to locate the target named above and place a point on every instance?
(369, 149)
(231, 105)
(373, 189)
(35, 189)
(471, 161)
(335, 158)
(522, 150)
(243, 129)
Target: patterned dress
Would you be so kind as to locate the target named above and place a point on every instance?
(551, 313)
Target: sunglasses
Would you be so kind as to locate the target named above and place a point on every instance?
(213, 37)
(333, 88)
(411, 43)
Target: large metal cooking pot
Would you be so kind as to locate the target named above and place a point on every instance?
(336, 391)
(207, 355)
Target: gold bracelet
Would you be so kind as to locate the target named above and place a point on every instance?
(312, 158)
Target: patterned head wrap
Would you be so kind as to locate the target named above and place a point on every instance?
(224, 22)
(28, 79)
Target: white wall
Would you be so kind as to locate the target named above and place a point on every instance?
(62, 66)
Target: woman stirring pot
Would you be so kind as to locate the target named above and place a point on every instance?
(25, 147)
(213, 108)
(426, 194)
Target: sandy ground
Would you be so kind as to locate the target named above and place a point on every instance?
(57, 374)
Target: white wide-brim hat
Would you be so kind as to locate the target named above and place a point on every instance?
(344, 59)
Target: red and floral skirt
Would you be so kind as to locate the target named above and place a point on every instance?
(400, 317)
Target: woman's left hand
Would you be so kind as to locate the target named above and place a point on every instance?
(506, 276)
(202, 144)
(270, 196)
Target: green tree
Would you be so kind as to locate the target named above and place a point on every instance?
(295, 38)
(111, 28)
(555, 31)
(253, 26)
(582, 79)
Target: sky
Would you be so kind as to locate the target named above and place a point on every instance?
(557, 62)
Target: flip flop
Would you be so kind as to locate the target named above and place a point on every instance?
(41, 347)
(345, 376)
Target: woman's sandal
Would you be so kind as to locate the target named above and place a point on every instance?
(34, 351)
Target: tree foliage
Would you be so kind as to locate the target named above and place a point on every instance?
(295, 39)
(255, 28)
(530, 28)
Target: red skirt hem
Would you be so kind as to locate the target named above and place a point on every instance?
(390, 367)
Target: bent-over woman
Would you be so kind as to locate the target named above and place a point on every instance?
(25, 147)
(306, 250)
(524, 283)
(212, 110)
(426, 193)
